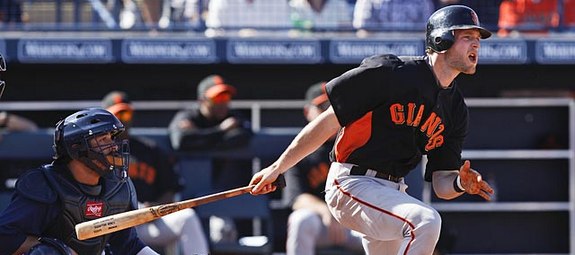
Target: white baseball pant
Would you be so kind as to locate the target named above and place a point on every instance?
(392, 221)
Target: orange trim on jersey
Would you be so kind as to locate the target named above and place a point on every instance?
(352, 137)
(411, 225)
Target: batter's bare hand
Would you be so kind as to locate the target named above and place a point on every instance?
(473, 183)
(264, 181)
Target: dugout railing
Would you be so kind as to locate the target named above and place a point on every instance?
(524, 146)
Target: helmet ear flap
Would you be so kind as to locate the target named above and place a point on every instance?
(442, 40)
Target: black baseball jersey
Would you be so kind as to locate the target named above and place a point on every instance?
(392, 112)
(152, 170)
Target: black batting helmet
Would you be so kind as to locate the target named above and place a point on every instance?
(440, 26)
(72, 140)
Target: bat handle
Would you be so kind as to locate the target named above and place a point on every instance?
(280, 182)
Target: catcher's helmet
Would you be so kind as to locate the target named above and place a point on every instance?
(49, 246)
(72, 140)
(2, 69)
(440, 26)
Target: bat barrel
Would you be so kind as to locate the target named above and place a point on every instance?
(120, 221)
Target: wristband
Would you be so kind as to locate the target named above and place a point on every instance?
(457, 185)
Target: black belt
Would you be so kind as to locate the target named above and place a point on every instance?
(358, 170)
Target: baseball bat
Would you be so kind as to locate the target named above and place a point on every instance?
(120, 221)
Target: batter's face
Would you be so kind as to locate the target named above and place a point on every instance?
(464, 53)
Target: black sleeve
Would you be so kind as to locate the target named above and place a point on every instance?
(235, 138)
(360, 90)
(207, 137)
(197, 139)
(448, 156)
(190, 139)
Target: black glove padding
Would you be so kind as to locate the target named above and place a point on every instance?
(50, 246)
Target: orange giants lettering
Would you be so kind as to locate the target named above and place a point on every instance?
(432, 126)
(142, 171)
(318, 174)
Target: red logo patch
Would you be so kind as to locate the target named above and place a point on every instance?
(94, 208)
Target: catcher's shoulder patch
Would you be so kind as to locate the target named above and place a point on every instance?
(33, 185)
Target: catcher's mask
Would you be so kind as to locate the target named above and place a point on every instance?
(92, 137)
(2, 69)
(439, 34)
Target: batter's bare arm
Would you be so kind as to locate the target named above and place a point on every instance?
(309, 139)
(450, 184)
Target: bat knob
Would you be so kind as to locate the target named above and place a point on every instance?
(280, 182)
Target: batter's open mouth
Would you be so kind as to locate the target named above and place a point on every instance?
(472, 57)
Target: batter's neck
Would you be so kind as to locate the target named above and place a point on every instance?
(443, 74)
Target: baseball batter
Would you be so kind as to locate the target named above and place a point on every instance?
(387, 113)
